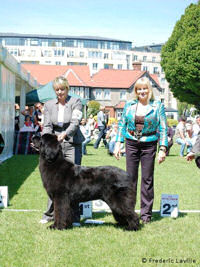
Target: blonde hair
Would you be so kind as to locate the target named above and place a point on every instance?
(60, 82)
(143, 81)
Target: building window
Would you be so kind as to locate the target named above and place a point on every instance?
(105, 55)
(72, 90)
(47, 53)
(144, 58)
(108, 66)
(70, 54)
(15, 41)
(58, 63)
(119, 66)
(77, 90)
(33, 53)
(162, 80)
(107, 94)
(163, 91)
(59, 52)
(153, 59)
(87, 93)
(81, 54)
(94, 66)
(13, 52)
(145, 68)
(119, 114)
(94, 54)
(44, 43)
(135, 58)
(162, 100)
(98, 94)
(34, 42)
(76, 63)
(122, 95)
(155, 70)
(22, 52)
(81, 92)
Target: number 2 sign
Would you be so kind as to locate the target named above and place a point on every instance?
(168, 204)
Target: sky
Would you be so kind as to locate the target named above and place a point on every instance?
(139, 21)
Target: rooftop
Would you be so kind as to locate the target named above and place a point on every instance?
(80, 76)
(52, 36)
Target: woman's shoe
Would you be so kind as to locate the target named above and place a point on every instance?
(146, 221)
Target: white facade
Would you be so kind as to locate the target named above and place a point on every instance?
(98, 53)
(94, 58)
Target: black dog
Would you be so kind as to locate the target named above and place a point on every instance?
(67, 183)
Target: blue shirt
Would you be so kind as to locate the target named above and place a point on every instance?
(101, 119)
(154, 121)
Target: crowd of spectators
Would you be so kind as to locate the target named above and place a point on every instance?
(185, 134)
(33, 118)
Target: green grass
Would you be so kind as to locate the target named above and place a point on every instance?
(25, 242)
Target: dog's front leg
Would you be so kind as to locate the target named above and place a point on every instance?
(62, 213)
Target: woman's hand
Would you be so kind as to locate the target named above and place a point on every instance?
(61, 137)
(190, 156)
(161, 156)
(117, 151)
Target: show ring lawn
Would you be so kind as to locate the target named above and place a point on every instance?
(165, 242)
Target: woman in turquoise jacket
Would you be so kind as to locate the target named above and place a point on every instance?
(143, 123)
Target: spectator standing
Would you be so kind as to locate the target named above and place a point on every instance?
(180, 136)
(111, 136)
(86, 131)
(91, 123)
(101, 120)
(196, 126)
(190, 137)
(17, 112)
(170, 134)
(195, 152)
(29, 111)
(28, 125)
(39, 116)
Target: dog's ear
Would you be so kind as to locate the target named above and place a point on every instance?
(36, 142)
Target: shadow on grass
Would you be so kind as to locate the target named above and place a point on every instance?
(14, 171)
(156, 216)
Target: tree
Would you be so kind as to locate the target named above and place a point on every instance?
(181, 57)
(93, 107)
(184, 108)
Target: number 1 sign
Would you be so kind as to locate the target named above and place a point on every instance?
(3, 196)
(168, 204)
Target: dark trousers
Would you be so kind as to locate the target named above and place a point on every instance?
(170, 144)
(145, 153)
(72, 153)
(102, 134)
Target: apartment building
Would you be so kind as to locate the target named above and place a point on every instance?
(96, 52)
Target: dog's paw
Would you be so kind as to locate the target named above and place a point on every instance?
(57, 227)
(133, 226)
(52, 227)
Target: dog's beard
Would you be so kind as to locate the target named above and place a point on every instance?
(49, 155)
